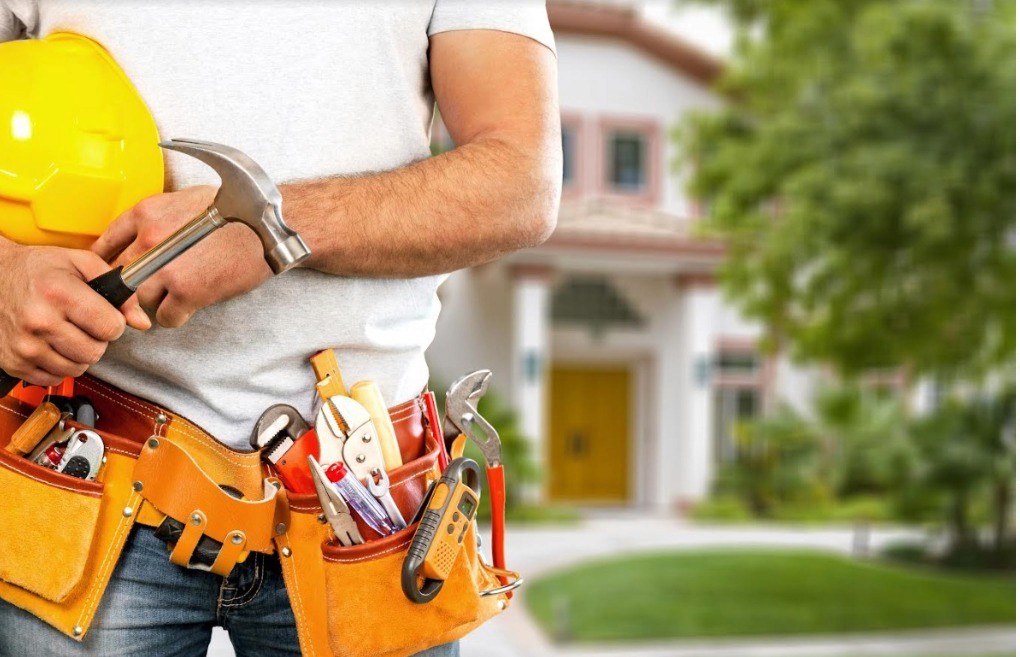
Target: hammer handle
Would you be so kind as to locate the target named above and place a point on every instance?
(110, 286)
(117, 285)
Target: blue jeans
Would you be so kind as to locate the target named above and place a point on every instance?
(153, 607)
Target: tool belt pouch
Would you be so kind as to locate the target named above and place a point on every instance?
(61, 536)
(213, 529)
(367, 612)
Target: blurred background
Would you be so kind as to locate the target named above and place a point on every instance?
(758, 387)
(757, 391)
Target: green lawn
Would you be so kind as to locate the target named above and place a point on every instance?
(748, 593)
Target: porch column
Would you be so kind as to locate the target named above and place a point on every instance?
(696, 462)
(531, 315)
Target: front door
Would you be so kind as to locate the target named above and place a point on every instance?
(589, 435)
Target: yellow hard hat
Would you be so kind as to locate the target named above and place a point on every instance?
(77, 144)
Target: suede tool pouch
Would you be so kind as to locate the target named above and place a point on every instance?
(61, 535)
(367, 612)
(369, 616)
(49, 522)
(301, 551)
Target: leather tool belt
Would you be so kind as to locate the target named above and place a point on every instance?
(62, 536)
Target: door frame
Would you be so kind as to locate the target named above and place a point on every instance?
(640, 441)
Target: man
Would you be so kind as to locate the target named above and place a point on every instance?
(336, 97)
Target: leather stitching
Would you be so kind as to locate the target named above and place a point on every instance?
(413, 475)
(51, 484)
(123, 452)
(297, 603)
(13, 410)
(99, 584)
(180, 426)
(399, 547)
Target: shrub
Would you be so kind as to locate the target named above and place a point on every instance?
(777, 462)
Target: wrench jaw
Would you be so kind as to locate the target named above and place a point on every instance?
(381, 492)
(276, 431)
(490, 447)
(462, 415)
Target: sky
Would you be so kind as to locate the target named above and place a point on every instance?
(699, 24)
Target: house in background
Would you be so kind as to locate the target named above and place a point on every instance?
(612, 342)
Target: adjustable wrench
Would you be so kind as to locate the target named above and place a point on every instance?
(286, 441)
(381, 490)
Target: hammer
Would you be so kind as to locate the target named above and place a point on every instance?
(246, 195)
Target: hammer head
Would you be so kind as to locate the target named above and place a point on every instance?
(248, 195)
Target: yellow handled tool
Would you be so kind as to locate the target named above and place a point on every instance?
(367, 394)
(39, 423)
(327, 371)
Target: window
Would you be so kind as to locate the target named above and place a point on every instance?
(732, 407)
(593, 302)
(569, 134)
(627, 161)
(740, 384)
(736, 363)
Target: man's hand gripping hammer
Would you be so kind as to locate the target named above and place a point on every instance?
(247, 195)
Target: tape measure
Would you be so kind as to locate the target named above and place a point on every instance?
(446, 514)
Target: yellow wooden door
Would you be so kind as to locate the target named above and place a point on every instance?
(589, 435)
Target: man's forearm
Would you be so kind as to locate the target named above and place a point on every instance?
(462, 208)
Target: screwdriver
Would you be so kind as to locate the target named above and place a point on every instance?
(358, 497)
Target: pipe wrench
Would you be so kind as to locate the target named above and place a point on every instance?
(462, 418)
(286, 441)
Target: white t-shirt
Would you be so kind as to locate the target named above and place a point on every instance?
(308, 89)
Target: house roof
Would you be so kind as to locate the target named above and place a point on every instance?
(623, 22)
(603, 225)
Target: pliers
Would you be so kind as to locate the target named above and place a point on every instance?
(338, 514)
(461, 418)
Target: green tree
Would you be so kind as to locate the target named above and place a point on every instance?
(863, 178)
(867, 439)
(970, 451)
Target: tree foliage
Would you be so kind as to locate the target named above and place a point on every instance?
(866, 433)
(969, 452)
(863, 177)
(778, 462)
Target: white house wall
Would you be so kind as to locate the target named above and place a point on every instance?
(603, 78)
(475, 329)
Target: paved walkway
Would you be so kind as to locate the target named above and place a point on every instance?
(541, 549)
